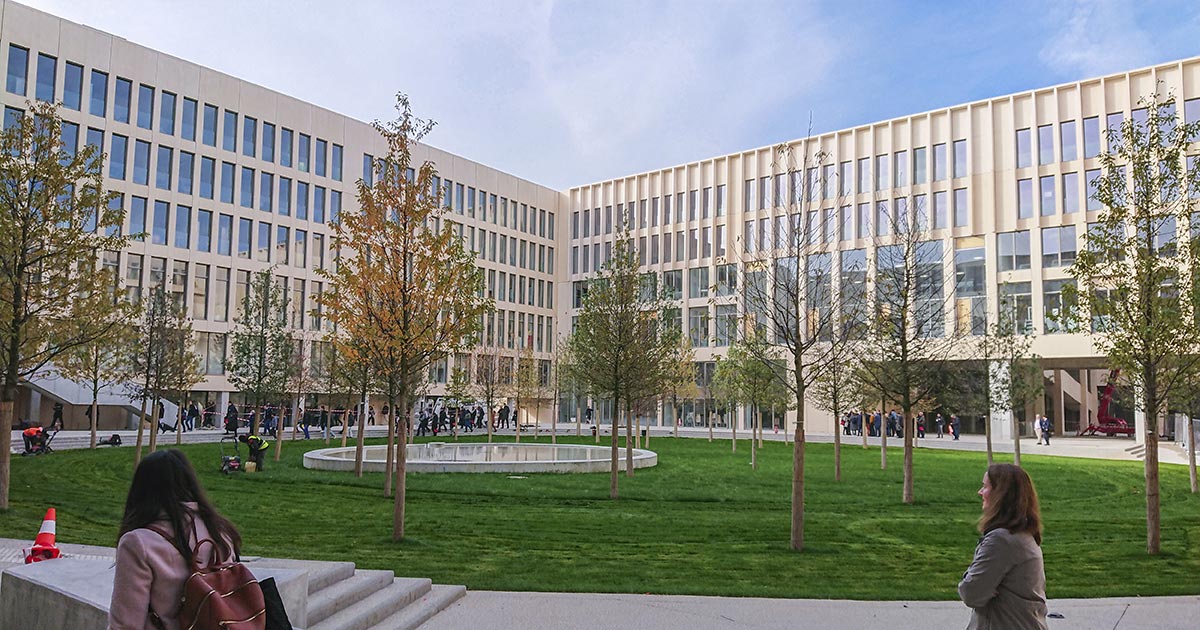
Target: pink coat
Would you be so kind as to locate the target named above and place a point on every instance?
(151, 574)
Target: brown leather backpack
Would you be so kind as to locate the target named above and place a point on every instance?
(221, 596)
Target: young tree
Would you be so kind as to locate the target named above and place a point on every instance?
(99, 364)
(55, 215)
(561, 367)
(458, 389)
(526, 386)
(183, 366)
(492, 384)
(410, 283)
(1136, 272)
(679, 379)
(303, 375)
(260, 362)
(752, 382)
(833, 390)
(160, 361)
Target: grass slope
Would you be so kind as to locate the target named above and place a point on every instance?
(701, 522)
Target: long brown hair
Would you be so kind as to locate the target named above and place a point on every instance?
(162, 483)
(1012, 503)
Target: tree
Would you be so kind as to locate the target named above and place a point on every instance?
(679, 379)
(833, 390)
(458, 389)
(753, 382)
(260, 362)
(1137, 270)
(303, 375)
(99, 365)
(561, 381)
(408, 287)
(161, 361)
(183, 366)
(55, 215)
(492, 381)
(907, 342)
(526, 385)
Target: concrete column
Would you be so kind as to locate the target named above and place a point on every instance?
(1060, 407)
(1001, 414)
(35, 406)
(1085, 398)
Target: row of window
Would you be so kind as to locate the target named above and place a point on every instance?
(510, 250)
(512, 288)
(174, 114)
(518, 330)
(701, 204)
(1068, 135)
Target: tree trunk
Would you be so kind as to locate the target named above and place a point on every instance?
(882, 426)
(1191, 446)
(862, 426)
(390, 460)
(179, 425)
(401, 469)
(908, 456)
(345, 426)
(360, 441)
(517, 424)
(987, 431)
(710, 428)
(612, 480)
(6, 422)
(1016, 429)
(554, 421)
(96, 420)
(733, 425)
(678, 408)
(137, 452)
(490, 421)
(154, 420)
(837, 442)
(754, 420)
(628, 440)
(1150, 402)
(797, 539)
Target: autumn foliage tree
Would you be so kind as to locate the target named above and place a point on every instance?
(405, 287)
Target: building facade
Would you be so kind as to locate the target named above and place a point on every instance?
(226, 178)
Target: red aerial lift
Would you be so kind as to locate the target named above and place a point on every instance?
(1107, 423)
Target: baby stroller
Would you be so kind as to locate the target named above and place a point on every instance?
(37, 441)
(231, 463)
(112, 440)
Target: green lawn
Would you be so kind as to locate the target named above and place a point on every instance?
(701, 522)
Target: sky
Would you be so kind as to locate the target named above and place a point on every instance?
(570, 92)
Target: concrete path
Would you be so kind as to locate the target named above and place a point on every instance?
(491, 610)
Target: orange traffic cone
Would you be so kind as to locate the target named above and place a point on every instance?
(43, 546)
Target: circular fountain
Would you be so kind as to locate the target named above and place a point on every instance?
(473, 457)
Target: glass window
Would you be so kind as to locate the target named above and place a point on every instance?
(73, 87)
(920, 165)
(137, 218)
(881, 173)
(883, 218)
(900, 169)
(303, 151)
(47, 71)
(1057, 313)
(1046, 185)
(1024, 149)
(98, 103)
(210, 125)
(187, 129)
(318, 204)
(208, 167)
(285, 147)
(1070, 196)
(166, 114)
(224, 234)
(162, 219)
(282, 243)
(939, 162)
(229, 131)
(227, 175)
(70, 138)
(117, 157)
(249, 136)
(141, 162)
(1058, 246)
(268, 142)
(300, 249)
(1024, 198)
(122, 100)
(95, 138)
(1016, 306)
(18, 70)
(145, 106)
(204, 231)
(1113, 125)
(941, 210)
(301, 200)
(183, 227)
(1091, 177)
(960, 158)
(335, 209)
(335, 166)
(264, 242)
(319, 158)
(1091, 137)
(1012, 250)
(285, 196)
(1045, 144)
(187, 167)
(245, 237)
(1066, 133)
(1191, 114)
(162, 173)
(960, 207)
(247, 196)
(266, 191)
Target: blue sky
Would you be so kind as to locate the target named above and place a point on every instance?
(565, 93)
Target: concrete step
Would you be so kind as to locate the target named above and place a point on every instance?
(321, 574)
(412, 616)
(345, 594)
(380, 605)
(1137, 450)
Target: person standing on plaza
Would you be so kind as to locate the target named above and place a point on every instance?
(56, 422)
(1005, 586)
(921, 424)
(955, 426)
(941, 425)
(1047, 428)
(231, 418)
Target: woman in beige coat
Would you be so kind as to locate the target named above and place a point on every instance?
(1005, 586)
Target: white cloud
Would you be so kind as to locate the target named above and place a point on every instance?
(1097, 37)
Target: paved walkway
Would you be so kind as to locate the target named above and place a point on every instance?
(491, 610)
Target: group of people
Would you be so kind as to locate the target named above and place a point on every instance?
(892, 424)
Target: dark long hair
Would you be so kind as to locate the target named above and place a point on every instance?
(1012, 503)
(162, 483)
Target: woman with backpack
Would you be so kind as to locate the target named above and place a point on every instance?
(168, 532)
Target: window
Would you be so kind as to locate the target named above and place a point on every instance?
(122, 100)
(939, 162)
(1058, 246)
(204, 231)
(266, 191)
(883, 218)
(227, 175)
(249, 136)
(98, 103)
(1058, 313)
(200, 292)
(1113, 125)
(210, 125)
(229, 131)
(698, 282)
(47, 71)
(247, 187)
(245, 237)
(162, 173)
(1024, 198)
(920, 165)
(1024, 150)
(1092, 178)
(137, 218)
(698, 326)
(141, 162)
(1045, 144)
(970, 293)
(95, 138)
(1191, 114)
(187, 169)
(863, 222)
(221, 294)
(285, 196)
(162, 216)
(117, 157)
(145, 106)
(268, 142)
(282, 243)
(335, 210)
(302, 153)
(1046, 185)
(960, 207)
(225, 234)
(18, 70)
(300, 249)
(183, 227)
(70, 138)
(302, 200)
(187, 129)
(335, 168)
(320, 157)
(673, 284)
(1070, 193)
(208, 167)
(900, 169)
(1091, 137)
(166, 114)
(960, 158)
(264, 242)
(1012, 250)
(881, 173)
(1066, 134)
(73, 87)
(318, 204)
(285, 147)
